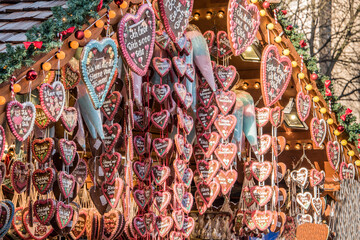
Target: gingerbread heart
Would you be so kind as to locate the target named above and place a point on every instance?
(276, 116)
(303, 105)
(161, 200)
(207, 169)
(249, 222)
(66, 183)
(225, 125)
(201, 205)
(41, 120)
(33, 228)
(246, 194)
(69, 118)
(225, 100)
(114, 223)
(207, 116)
(160, 119)
(316, 177)
(178, 217)
(20, 174)
(210, 39)
(138, 41)
(223, 44)
(187, 177)
(262, 219)
(162, 39)
(262, 116)
(188, 226)
(64, 214)
(318, 131)
(139, 225)
(162, 65)
(112, 190)
(208, 192)
(264, 144)
(67, 151)
(42, 149)
(273, 66)
(333, 154)
(149, 219)
(80, 173)
(163, 224)
(142, 119)
(162, 146)
(21, 119)
(261, 195)
(300, 176)
(303, 218)
(261, 170)
(206, 95)
(111, 136)
(226, 154)
(44, 210)
(43, 180)
(143, 196)
(79, 229)
(142, 169)
(190, 72)
(70, 77)
(316, 203)
(111, 105)
(208, 142)
(225, 76)
(226, 180)
(160, 92)
(278, 145)
(180, 65)
(347, 171)
(52, 100)
(304, 200)
(160, 174)
(109, 163)
(18, 224)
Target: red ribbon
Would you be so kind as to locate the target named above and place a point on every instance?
(37, 44)
(69, 30)
(99, 6)
(327, 89)
(347, 112)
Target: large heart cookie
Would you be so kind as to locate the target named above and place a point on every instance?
(44, 210)
(303, 105)
(67, 150)
(109, 163)
(21, 119)
(98, 79)
(261, 195)
(52, 99)
(225, 100)
(137, 38)
(275, 74)
(262, 116)
(208, 142)
(243, 24)
(318, 131)
(175, 15)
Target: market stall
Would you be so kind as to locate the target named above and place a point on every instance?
(172, 119)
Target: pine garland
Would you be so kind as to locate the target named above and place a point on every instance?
(351, 127)
(77, 13)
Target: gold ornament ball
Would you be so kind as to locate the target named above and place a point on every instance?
(124, 5)
(112, 14)
(87, 33)
(308, 87)
(99, 23)
(301, 75)
(17, 88)
(254, 1)
(46, 66)
(286, 52)
(343, 142)
(270, 26)
(2, 100)
(351, 153)
(337, 133)
(330, 121)
(74, 44)
(357, 163)
(60, 55)
(294, 64)
(262, 12)
(316, 99)
(278, 39)
(323, 110)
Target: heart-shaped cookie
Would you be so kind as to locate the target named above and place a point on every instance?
(226, 180)
(201, 205)
(161, 200)
(188, 226)
(206, 95)
(318, 131)
(262, 116)
(41, 120)
(21, 119)
(303, 105)
(207, 116)
(79, 228)
(67, 151)
(300, 176)
(246, 194)
(210, 39)
(316, 204)
(162, 39)
(304, 200)
(225, 100)
(175, 19)
(52, 100)
(43, 180)
(142, 169)
(143, 196)
(225, 125)
(226, 154)
(208, 142)
(333, 154)
(20, 174)
(112, 190)
(243, 23)
(261, 170)
(149, 219)
(276, 116)
(178, 217)
(316, 177)
(18, 225)
(160, 119)
(264, 144)
(109, 163)
(64, 214)
(44, 210)
(139, 225)
(223, 44)
(111, 105)
(42, 149)
(70, 77)
(262, 219)
(66, 183)
(137, 35)
(104, 55)
(162, 65)
(162, 146)
(207, 169)
(225, 76)
(275, 74)
(163, 224)
(69, 118)
(111, 136)
(160, 174)
(261, 195)
(142, 119)
(209, 192)
(160, 92)
(34, 228)
(347, 171)
(80, 173)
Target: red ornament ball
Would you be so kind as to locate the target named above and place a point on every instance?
(314, 76)
(266, 4)
(340, 128)
(79, 34)
(31, 75)
(118, 2)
